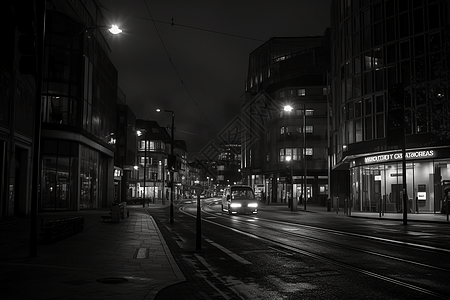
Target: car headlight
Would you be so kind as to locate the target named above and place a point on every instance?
(253, 205)
(235, 205)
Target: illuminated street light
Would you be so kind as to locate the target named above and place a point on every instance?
(115, 29)
(172, 171)
(288, 108)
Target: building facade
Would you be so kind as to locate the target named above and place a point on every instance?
(287, 72)
(79, 97)
(17, 111)
(378, 49)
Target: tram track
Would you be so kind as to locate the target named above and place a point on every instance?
(296, 249)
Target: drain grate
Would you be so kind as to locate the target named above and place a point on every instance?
(112, 280)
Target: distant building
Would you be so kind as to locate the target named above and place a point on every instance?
(152, 174)
(282, 72)
(388, 53)
(125, 159)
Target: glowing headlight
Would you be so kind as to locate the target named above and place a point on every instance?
(235, 205)
(253, 205)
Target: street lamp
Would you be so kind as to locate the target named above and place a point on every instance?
(293, 203)
(172, 142)
(139, 133)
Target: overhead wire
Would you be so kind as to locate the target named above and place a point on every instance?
(173, 64)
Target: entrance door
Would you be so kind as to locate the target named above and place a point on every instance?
(396, 196)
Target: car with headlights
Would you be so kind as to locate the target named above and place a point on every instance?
(239, 199)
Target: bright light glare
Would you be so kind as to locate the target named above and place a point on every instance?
(158, 110)
(253, 205)
(287, 108)
(288, 158)
(115, 29)
(235, 205)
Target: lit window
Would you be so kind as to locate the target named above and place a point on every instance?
(309, 151)
(310, 112)
(282, 130)
(301, 92)
(309, 129)
(282, 155)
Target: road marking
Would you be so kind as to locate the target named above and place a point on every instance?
(230, 253)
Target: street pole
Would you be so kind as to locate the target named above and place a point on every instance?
(198, 239)
(145, 163)
(40, 38)
(293, 201)
(304, 155)
(172, 188)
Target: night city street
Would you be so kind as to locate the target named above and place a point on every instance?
(225, 150)
(279, 254)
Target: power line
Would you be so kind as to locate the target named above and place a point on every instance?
(172, 63)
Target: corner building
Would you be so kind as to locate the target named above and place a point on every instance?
(285, 152)
(79, 99)
(377, 46)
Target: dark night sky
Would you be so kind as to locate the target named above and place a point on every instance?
(205, 83)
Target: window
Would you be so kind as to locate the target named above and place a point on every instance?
(282, 130)
(301, 92)
(368, 135)
(309, 129)
(282, 156)
(309, 151)
(282, 94)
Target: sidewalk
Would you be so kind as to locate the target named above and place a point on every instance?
(126, 260)
(413, 217)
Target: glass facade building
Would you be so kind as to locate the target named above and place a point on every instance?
(287, 72)
(376, 47)
(79, 112)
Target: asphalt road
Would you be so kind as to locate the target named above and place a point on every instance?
(278, 254)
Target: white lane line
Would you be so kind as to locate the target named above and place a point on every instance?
(230, 253)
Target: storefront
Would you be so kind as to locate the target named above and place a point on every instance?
(377, 180)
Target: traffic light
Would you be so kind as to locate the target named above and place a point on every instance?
(26, 24)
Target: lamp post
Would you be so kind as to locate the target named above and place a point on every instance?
(290, 159)
(293, 202)
(172, 142)
(139, 133)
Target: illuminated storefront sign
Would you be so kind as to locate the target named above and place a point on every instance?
(398, 156)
